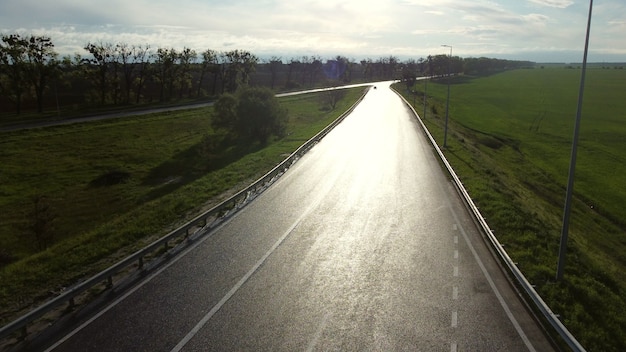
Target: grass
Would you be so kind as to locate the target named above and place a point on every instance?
(509, 139)
(115, 185)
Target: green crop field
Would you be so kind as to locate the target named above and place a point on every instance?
(509, 139)
(107, 188)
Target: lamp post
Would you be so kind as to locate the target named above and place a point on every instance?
(445, 131)
(425, 87)
(572, 164)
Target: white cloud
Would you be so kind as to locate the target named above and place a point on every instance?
(536, 18)
(356, 28)
(553, 3)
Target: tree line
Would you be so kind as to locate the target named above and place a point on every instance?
(33, 76)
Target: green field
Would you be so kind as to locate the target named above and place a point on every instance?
(112, 186)
(509, 139)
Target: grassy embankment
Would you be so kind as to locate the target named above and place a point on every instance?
(113, 186)
(509, 139)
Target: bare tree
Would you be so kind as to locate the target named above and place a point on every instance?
(315, 69)
(222, 67)
(275, 64)
(164, 73)
(367, 69)
(209, 63)
(184, 60)
(141, 57)
(409, 73)
(350, 66)
(239, 66)
(42, 65)
(332, 97)
(99, 69)
(391, 67)
(125, 54)
(304, 69)
(294, 66)
(13, 82)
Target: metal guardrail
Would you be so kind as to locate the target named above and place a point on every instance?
(201, 221)
(540, 304)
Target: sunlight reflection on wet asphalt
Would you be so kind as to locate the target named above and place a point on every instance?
(355, 248)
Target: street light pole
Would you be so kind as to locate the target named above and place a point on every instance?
(425, 87)
(572, 165)
(445, 131)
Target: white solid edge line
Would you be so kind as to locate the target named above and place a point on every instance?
(188, 337)
(247, 276)
(495, 290)
(234, 289)
(134, 289)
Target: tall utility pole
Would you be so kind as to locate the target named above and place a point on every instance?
(572, 165)
(445, 131)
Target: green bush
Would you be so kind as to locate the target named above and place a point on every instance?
(254, 114)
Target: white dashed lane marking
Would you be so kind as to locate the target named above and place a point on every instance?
(455, 288)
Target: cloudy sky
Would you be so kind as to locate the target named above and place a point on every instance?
(536, 30)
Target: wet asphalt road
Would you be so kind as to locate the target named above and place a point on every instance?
(363, 245)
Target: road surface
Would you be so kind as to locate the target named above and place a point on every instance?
(363, 245)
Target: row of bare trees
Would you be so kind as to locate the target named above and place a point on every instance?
(121, 72)
(114, 74)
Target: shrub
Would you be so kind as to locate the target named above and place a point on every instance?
(225, 113)
(253, 115)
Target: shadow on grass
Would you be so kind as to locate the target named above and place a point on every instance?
(110, 178)
(211, 154)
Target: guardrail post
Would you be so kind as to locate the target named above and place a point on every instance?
(109, 281)
(24, 333)
(140, 264)
(71, 303)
